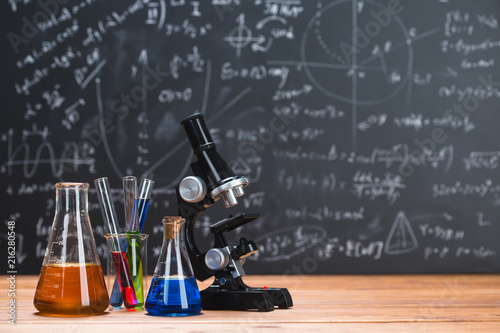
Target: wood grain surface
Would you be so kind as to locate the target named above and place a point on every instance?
(334, 303)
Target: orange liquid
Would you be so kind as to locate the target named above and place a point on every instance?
(71, 290)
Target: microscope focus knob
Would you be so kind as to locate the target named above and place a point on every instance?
(244, 249)
(216, 259)
(192, 189)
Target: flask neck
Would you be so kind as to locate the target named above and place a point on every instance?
(173, 227)
(72, 197)
(174, 260)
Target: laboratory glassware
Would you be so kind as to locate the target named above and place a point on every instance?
(133, 241)
(129, 194)
(71, 281)
(142, 202)
(137, 261)
(173, 290)
(118, 250)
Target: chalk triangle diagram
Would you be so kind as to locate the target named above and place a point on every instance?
(240, 166)
(401, 238)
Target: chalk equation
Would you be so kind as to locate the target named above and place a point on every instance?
(368, 137)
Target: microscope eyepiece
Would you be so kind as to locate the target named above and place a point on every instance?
(198, 133)
(220, 179)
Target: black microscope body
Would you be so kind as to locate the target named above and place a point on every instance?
(213, 180)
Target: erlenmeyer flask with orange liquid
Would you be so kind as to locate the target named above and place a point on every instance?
(71, 282)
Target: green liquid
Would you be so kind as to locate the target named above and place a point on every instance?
(135, 264)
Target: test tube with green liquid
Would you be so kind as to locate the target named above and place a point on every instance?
(136, 204)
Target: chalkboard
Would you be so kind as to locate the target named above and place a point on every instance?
(368, 129)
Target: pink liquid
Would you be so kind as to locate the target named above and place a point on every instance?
(124, 279)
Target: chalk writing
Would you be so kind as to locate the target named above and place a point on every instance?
(325, 213)
(439, 232)
(286, 243)
(373, 187)
(482, 160)
(350, 248)
(366, 135)
(487, 187)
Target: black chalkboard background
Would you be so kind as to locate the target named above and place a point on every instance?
(369, 130)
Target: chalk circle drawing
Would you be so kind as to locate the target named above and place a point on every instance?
(241, 36)
(364, 53)
(401, 238)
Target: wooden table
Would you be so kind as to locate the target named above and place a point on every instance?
(336, 303)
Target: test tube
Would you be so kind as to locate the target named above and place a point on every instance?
(133, 237)
(145, 191)
(117, 251)
(129, 193)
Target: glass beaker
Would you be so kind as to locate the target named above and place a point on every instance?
(173, 290)
(71, 281)
(136, 253)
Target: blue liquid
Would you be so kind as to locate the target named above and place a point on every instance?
(115, 300)
(142, 209)
(173, 297)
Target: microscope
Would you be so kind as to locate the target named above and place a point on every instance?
(211, 181)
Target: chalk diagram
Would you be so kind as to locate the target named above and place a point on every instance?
(368, 66)
(116, 160)
(150, 167)
(241, 36)
(401, 238)
(360, 74)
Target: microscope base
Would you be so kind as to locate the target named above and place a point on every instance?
(281, 297)
(263, 300)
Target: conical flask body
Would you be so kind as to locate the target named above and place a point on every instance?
(173, 290)
(71, 281)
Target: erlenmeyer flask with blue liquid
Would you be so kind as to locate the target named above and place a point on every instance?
(173, 291)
